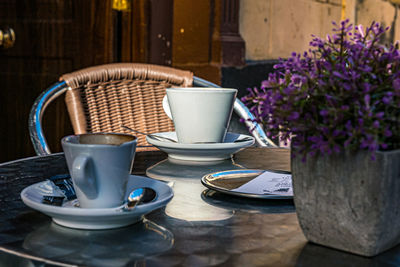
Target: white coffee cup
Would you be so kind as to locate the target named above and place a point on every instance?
(100, 165)
(201, 114)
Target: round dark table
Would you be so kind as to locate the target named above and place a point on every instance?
(199, 227)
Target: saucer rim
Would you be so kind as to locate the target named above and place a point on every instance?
(208, 146)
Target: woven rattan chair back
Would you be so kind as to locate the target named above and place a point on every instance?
(102, 98)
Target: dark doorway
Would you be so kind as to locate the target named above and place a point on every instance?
(52, 38)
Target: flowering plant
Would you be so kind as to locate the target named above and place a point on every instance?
(343, 93)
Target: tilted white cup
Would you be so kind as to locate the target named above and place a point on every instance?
(100, 165)
(201, 114)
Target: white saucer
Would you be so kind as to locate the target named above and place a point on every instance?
(201, 152)
(74, 217)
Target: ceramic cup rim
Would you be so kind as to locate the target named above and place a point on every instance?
(67, 140)
(201, 90)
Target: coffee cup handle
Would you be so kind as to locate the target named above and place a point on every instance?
(83, 176)
(166, 108)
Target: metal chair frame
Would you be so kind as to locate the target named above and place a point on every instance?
(38, 108)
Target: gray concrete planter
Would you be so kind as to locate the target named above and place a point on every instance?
(349, 202)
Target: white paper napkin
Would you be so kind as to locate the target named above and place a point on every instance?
(268, 183)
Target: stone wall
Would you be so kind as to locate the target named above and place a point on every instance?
(275, 28)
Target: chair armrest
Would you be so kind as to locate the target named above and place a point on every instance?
(35, 117)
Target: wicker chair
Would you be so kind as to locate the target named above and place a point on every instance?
(102, 98)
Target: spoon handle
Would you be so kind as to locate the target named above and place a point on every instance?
(132, 130)
(151, 135)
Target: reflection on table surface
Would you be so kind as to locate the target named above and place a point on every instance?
(199, 227)
(174, 169)
(184, 177)
(114, 247)
(191, 195)
(252, 205)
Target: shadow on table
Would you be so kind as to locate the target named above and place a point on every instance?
(115, 247)
(316, 255)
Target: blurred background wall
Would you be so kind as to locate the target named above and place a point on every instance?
(275, 28)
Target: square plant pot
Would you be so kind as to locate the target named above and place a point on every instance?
(349, 201)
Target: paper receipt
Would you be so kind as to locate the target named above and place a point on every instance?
(269, 182)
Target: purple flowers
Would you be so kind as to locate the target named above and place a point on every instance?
(342, 93)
